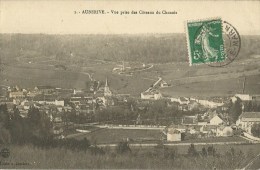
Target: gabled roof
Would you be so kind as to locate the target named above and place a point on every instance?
(189, 120)
(44, 87)
(223, 127)
(209, 127)
(183, 99)
(250, 116)
(217, 117)
(173, 131)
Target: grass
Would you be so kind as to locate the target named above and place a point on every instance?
(116, 135)
(111, 136)
(32, 157)
(213, 140)
(216, 81)
(223, 87)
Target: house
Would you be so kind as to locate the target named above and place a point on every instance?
(57, 130)
(33, 93)
(184, 100)
(77, 91)
(152, 94)
(183, 107)
(256, 97)
(208, 130)
(181, 128)
(201, 123)
(193, 105)
(209, 104)
(193, 130)
(216, 120)
(224, 131)
(27, 104)
(244, 97)
(16, 94)
(57, 119)
(164, 84)
(44, 89)
(49, 100)
(173, 135)
(247, 119)
(190, 120)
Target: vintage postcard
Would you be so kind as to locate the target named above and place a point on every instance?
(129, 84)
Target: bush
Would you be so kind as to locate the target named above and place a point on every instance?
(5, 137)
(211, 151)
(123, 147)
(256, 130)
(192, 150)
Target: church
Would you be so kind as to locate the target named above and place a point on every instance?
(107, 92)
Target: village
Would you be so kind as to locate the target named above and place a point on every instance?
(199, 117)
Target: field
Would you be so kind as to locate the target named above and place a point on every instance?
(29, 75)
(30, 157)
(114, 136)
(46, 62)
(108, 136)
(224, 87)
(184, 80)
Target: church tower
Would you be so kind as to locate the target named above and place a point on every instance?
(107, 92)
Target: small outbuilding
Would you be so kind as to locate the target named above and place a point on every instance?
(173, 135)
(224, 131)
(216, 120)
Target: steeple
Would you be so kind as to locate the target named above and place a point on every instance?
(107, 92)
(106, 85)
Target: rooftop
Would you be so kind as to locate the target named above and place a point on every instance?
(250, 115)
(44, 87)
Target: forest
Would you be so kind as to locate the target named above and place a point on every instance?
(150, 48)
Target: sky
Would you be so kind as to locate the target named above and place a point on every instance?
(57, 17)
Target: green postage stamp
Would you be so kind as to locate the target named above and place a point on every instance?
(205, 41)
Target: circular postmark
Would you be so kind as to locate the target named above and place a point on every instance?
(5, 153)
(232, 44)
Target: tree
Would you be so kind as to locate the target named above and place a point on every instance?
(5, 137)
(34, 116)
(192, 150)
(4, 115)
(235, 109)
(255, 130)
(204, 151)
(123, 147)
(16, 115)
(211, 150)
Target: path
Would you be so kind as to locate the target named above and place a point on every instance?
(174, 144)
(254, 163)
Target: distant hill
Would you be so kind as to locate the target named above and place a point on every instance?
(157, 48)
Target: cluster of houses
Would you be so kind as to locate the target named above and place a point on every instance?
(212, 123)
(55, 101)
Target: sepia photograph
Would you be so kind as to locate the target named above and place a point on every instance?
(130, 84)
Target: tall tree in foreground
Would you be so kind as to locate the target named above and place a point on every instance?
(235, 110)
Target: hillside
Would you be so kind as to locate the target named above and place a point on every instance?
(157, 48)
(68, 60)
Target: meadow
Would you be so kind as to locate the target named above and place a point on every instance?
(184, 80)
(27, 156)
(108, 136)
(67, 61)
(113, 136)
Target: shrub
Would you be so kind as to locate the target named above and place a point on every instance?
(123, 147)
(256, 130)
(192, 150)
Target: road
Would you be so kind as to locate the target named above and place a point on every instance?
(174, 144)
(254, 163)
